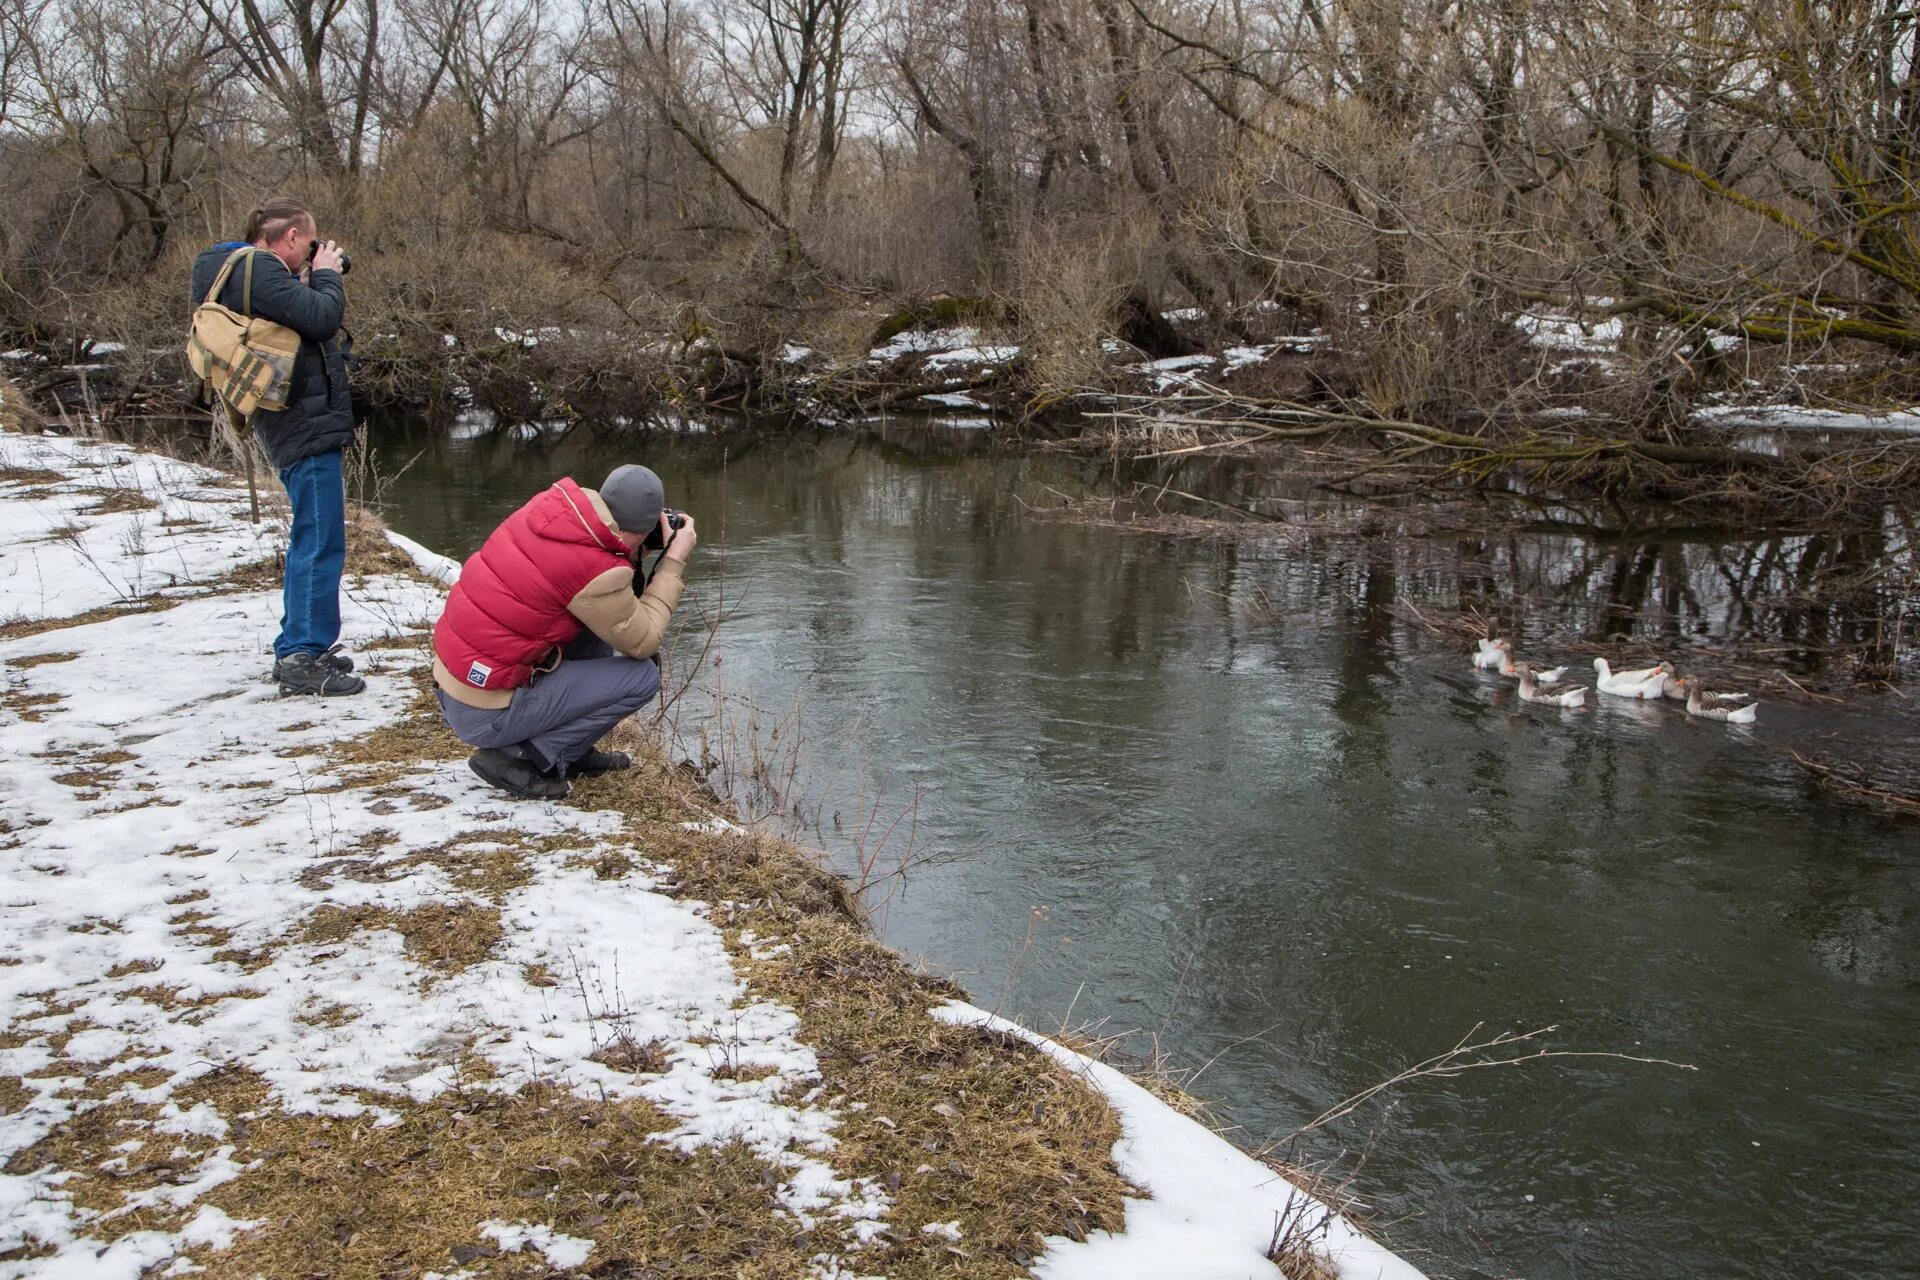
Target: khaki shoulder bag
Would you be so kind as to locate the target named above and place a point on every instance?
(247, 361)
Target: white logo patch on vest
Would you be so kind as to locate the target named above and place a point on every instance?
(477, 674)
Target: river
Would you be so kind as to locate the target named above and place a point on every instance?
(1231, 797)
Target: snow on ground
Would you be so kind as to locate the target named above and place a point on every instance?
(166, 813)
(111, 527)
(1213, 1208)
(173, 831)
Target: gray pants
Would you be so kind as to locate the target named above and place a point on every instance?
(556, 719)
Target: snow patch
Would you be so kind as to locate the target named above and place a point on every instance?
(563, 1251)
(1787, 417)
(1212, 1208)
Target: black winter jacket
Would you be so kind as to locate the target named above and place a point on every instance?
(319, 414)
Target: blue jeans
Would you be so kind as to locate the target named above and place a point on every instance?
(316, 555)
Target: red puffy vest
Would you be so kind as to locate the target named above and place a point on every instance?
(508, 612)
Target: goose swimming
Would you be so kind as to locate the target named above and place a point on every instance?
(1645, 683)
(1530, 690)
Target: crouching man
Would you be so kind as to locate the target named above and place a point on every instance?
(545, 644)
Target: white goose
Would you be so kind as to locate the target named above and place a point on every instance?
(1645, 683)
(1553, 675)
(1492, 654)
(1530, 691)
(1713, 706)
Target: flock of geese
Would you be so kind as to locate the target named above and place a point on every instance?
(1647, 684)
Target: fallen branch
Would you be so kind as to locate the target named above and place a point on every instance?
(1461, 1059)
(1858, 787)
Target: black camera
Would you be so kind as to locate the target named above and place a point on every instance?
(675, 521)
(313, 247)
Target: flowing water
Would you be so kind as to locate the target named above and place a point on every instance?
(1232, 797)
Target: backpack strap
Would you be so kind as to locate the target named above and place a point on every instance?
(226, 269)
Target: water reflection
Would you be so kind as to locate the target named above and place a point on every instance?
(1281, 825)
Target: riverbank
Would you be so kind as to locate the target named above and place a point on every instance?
(286, 988)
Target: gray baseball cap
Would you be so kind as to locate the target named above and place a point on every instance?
(635, 496)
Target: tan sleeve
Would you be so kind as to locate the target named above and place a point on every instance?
(633, 625)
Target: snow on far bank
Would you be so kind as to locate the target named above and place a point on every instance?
(918, 341)
(1564, 333)
(1176, 371)
(943, 348)
(1786, 417)
(939, 360)
(1212, 1207)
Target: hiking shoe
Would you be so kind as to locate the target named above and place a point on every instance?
(332, 660)
(595, 763)
(516, 774)
(306, 673)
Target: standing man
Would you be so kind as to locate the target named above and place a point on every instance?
(296, 282)
(547, 640)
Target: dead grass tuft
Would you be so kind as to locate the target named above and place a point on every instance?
(17, 412)
(117, 501)
(172, 999)
(30, 707)
(265, 574)
(132, 967)
(14, 1095)
(351, 1200)
(43, 659)
(21, 627)
(330, 924)
(641, 1057)
(29, 476)
(450, 937)
(397, 749)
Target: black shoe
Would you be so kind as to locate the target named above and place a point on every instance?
(306, 673)
(595, 763)
(514, 773)
(332, 660)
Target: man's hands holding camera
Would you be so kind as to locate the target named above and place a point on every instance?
(325, 255)
(677, 534)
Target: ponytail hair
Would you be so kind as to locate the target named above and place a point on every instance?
(270, 221)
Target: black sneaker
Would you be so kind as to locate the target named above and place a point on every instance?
(516, 774)
(595, 763)
(306, 673)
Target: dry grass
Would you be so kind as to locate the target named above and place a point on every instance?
(960, 1123)
(44, 659)
(21, 627)
(355, 1201)
(450, 937)
(30, 476)
(116, 501)
(17, 412)
(30, 707)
